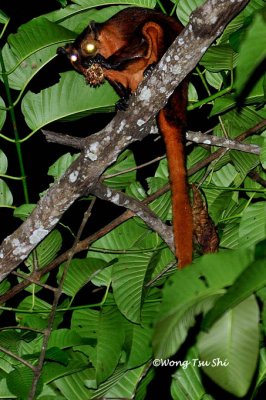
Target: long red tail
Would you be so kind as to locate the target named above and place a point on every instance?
(172, 122)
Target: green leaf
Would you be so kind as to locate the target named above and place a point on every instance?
(192, 291)
(72, 387)
(25, 70)
(5, 392)
(261, 378)
(76, 362)
(124, 162)
(2, 113)
(131, 235)
(252, 51)
(37, 320)
(24, 211)
(76, 100)
(79, 273)
(138, 337)
(244, 162)
(219, 58)
(4, 287)
(76, 17)
(36, 34)
(121, 385)
(224, 176)
(252, 279)
(186, 381)
(107, 327)
(3, 17)
(94, 3)
(141, 392)
(65, 338)
(185, 8)
(19, 382)
(110, 339)
(235, 25)
(6, 198)
(162, 205)
(46, 251)
(197, 154)
(3, 162)
(223, 104)
(252, 226)
(129, 276)
(233, 340)
(215, 79)
(59, 167)
(56, 354)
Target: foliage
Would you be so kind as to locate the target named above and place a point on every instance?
(145, 308)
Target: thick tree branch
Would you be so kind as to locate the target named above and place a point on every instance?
(139, 208)
(102, 149)
(85, 243)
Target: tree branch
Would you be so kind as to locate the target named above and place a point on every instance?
(139, 209)
(85, 243)
(103, 148)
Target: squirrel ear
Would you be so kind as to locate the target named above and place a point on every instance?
(153, 34)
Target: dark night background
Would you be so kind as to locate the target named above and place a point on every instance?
(38, 156)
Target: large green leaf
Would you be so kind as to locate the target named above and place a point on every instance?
(219, 58)
(77, 17)
(71, 98)
(64, 338)
(129, 277)
(76, 362)
(252, 51)
(110, 339)
(252, 279)
(192, 291)
(107, 327)
(19, 382)
(138, 337)
(33, 46)
(35, 313)
(37, 34)
(233, 340)
(186, 381)
(252, 226)
(121, 385)
(244, 162)
(79, 273)
(24, 71)
(72, 386)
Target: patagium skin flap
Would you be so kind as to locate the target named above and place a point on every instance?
(123, 50)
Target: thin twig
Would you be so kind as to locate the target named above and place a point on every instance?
(57, 295)
(16, 357)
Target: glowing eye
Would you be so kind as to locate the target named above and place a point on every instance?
(90, 47)
(73, 57)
